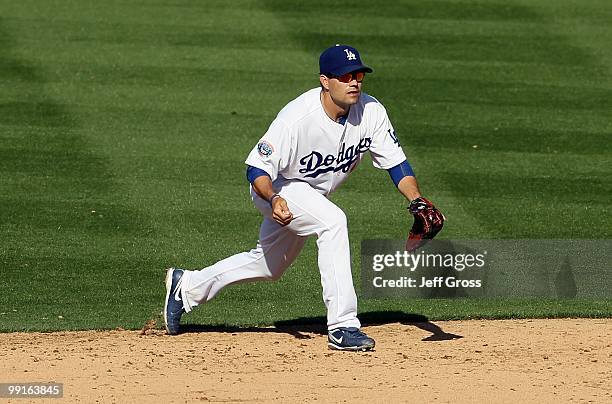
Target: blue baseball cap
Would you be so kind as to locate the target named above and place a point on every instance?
(341, 59)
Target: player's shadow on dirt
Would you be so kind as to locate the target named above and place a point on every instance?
(301, 327)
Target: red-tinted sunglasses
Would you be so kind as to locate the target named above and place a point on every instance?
(348, 77)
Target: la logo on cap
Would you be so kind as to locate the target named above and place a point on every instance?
(350, 55)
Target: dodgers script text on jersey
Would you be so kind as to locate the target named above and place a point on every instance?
(304, 144)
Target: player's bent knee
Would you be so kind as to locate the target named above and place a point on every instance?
(271, 276)
(337, 221)
(274, 272)
(274, 276)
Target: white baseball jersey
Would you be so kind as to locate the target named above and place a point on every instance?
(303, 143)
(307, 155)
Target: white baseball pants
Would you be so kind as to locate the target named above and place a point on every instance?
(278, 247)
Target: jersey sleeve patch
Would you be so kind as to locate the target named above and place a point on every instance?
(265, 149)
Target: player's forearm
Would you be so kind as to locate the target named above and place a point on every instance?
(261, 182)
(409, 187)
(263, 187)
(405, 181)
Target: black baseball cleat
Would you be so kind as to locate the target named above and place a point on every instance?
(173, 309)
(349, 339)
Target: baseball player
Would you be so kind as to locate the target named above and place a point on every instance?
(309, 150)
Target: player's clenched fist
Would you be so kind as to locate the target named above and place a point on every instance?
(280, 210)
(262, 185)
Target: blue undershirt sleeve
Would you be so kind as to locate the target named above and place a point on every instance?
(253, 172)
(400, 171)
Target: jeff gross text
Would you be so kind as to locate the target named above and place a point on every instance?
(422, 261)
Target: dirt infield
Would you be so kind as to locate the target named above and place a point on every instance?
(456, 361)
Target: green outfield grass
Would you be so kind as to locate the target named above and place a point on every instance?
(124, 126)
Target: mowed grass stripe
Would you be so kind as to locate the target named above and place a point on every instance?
(33, 217)
(511, 139)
